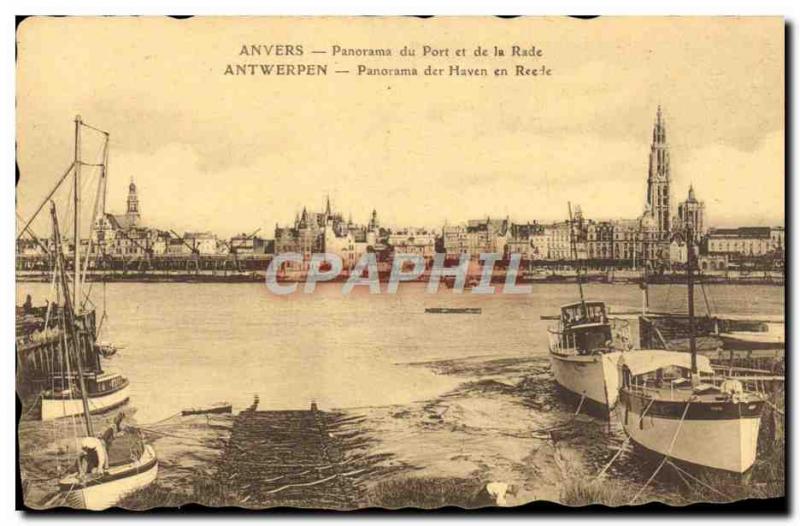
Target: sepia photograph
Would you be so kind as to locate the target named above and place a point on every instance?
(396, 262)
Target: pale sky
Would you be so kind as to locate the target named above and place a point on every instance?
(232, 154)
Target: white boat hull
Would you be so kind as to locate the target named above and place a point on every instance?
(725, 444)
(53, 408)
(107, 494)
(595, 377)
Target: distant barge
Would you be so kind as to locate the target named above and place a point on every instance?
(454, 310)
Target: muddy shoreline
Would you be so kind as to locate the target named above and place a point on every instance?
(505, 422)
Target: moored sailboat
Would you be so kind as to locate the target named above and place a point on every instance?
(673, 405)
(104, 475)
(47, 374)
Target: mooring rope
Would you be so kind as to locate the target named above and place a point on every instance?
(146, 430)
(679, 470)
(578, 410)
(157, 422)
(622, 446)
(666, 456)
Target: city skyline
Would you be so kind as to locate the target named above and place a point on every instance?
(420, 153)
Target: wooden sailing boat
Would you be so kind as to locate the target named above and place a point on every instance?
(102, 478)
(671, 409)
(46, 370)
(585, 347)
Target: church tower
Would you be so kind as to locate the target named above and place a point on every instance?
(133, 204)
(373, 221)
(658, 179)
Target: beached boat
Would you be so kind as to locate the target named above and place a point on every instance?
(671, 408)
(585, 347)
(101, 491)
(711, 423)
(213, 409)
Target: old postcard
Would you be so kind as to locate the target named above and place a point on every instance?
(392, 262)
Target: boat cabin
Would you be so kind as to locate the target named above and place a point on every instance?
(585, 327)
(105, 383)
(583, 312)
(657, 369)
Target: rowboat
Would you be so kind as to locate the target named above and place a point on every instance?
(453, 310)
(218, 408)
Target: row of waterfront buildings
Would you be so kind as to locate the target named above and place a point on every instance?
(656, 239)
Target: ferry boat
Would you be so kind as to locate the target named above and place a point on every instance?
(675, 407)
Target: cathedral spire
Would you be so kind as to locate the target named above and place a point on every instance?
(328, 205)
(658, 179)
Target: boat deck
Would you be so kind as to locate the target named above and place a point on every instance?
(704, 394)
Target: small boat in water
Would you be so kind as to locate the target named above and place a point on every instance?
(106, 350)
(754, 339)
(105, 391)
(213, 409)
(453, 310)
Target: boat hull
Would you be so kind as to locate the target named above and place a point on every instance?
(723, 437)
(53, 408)
(593, 377)
(111, 488)
(752, 341)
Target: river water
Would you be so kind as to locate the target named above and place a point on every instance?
(191, 344)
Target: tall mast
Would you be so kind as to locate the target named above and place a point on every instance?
(77, 229)
(690, 282)
(70, 322)
(574, 251)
